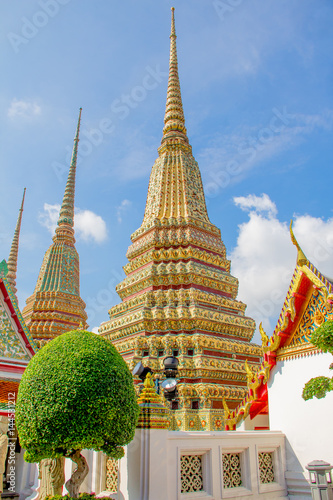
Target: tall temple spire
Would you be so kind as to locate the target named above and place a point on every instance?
(66, 215)
(56, 306)
(175, 193)
(178, 295)
(174, 121)
(12, 259)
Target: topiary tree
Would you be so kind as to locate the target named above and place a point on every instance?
(322, 338)
(76, 392)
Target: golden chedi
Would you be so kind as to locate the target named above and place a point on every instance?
(55, 306)
(178, 297)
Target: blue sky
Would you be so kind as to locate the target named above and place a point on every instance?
(256, 81)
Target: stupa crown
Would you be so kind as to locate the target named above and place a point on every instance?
(174, 121)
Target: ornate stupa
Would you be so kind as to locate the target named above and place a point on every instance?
(56, 306)
(178, 297)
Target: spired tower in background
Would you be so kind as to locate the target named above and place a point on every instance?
(178, 297)
(12, 259)
(55, 306)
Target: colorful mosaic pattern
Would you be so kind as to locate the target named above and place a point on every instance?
(316, 313)
(10, 345)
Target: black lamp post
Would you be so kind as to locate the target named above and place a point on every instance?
(169, 385)
(141, 371)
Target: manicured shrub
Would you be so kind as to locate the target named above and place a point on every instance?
(77, 392)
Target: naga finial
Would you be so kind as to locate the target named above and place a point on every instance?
(249, 372)
(301, 258)
(226, 409)
(264, 337)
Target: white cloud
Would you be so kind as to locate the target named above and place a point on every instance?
(23, 109)
(264, 258)
(49, 217)
(95, 329)
(261, 203)
(88, 225)
(122, 208)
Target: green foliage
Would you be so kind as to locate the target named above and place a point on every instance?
(76, 393)
(322, 337)
(82, 496)
(318, 387)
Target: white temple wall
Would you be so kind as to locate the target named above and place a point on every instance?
(152, 466)
(306, 424)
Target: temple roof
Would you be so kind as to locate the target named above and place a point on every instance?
(307, 305)
(16, 342)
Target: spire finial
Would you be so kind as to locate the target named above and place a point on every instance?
(301, 258)
(66, 215)
(174, 121)
(12, 259)
(173, 29)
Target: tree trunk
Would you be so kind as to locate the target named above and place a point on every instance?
(74, 483)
